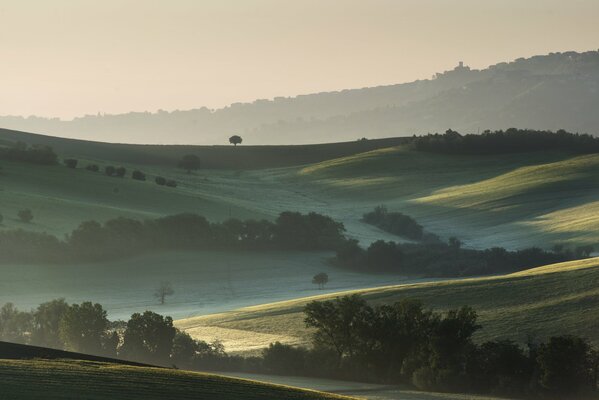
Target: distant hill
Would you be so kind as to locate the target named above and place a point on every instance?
(222, 157)
(559, 90)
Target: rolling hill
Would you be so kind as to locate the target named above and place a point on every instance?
(69, 379)
(555, 299)
(558, 90)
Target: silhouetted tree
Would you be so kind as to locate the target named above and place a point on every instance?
(163, 290)
(189, 162)
(46, 323)
(320, 279)
(235, 140)
(567, 367)
(148, 338)
(83, 327)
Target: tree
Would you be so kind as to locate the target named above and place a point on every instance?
(71, 163)
(46, 323)
(165, 289)
(83, 327)
(189, 162)
(320, 279)
(235, 140)
(14, 324)
(160, 180)
(92, 168)
(184, 350)
(338, 323)
(149, 338)
(171, 183)
(567, 366)
(138, 175)
(25, 215)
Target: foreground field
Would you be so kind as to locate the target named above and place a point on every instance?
(68, 379)
(555, 299)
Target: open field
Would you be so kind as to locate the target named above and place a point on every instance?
(221, 157)
(69, 379)
(511, 200)
(556, 299)
(204, 282)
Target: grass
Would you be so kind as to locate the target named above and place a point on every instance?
(68, 379)
(555, 299)
(204, 282)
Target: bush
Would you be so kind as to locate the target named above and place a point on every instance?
(71, 163)
(109, 170)
(120, 172)
(160, 181)
(25, 215)
(138, 175)
(92, 168)
(171, 183)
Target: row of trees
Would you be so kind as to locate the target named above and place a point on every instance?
(509, 141)
(395, 223)
(446, 259)
(35, 154)
(406, 343)
(403, 342)
(146, 337)
(125, 237)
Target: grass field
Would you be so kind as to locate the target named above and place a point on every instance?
(204, 282)
(555, 299)
(38, 379)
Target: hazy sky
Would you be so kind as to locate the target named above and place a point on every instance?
(66, 58)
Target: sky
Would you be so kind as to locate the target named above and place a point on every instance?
(67, 58)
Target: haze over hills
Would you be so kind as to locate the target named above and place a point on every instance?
(555, 91)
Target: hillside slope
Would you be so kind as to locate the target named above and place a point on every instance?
(555, 299)
(38, 379)
(558, 90)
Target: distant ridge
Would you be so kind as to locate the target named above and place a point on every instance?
(551, 92)
(222, 156)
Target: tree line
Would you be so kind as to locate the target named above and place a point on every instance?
(447, 259)
(509, 141)
(35, 154)
(121, 237)
(399, 343)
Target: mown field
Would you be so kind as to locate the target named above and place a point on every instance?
(69, 379)
(556, 299)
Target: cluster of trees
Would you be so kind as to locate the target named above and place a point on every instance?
(402, 342)
(446, 259)
(406, 343)
(125, 237)
(509, 141)
(146, 337)
(394, 222)
(43, 155)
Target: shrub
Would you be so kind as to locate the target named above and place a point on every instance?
(171, 183)
(160, 181)
(71, 163)
(138, 175)
(92, 168)
(120, 172)
(109, 170)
